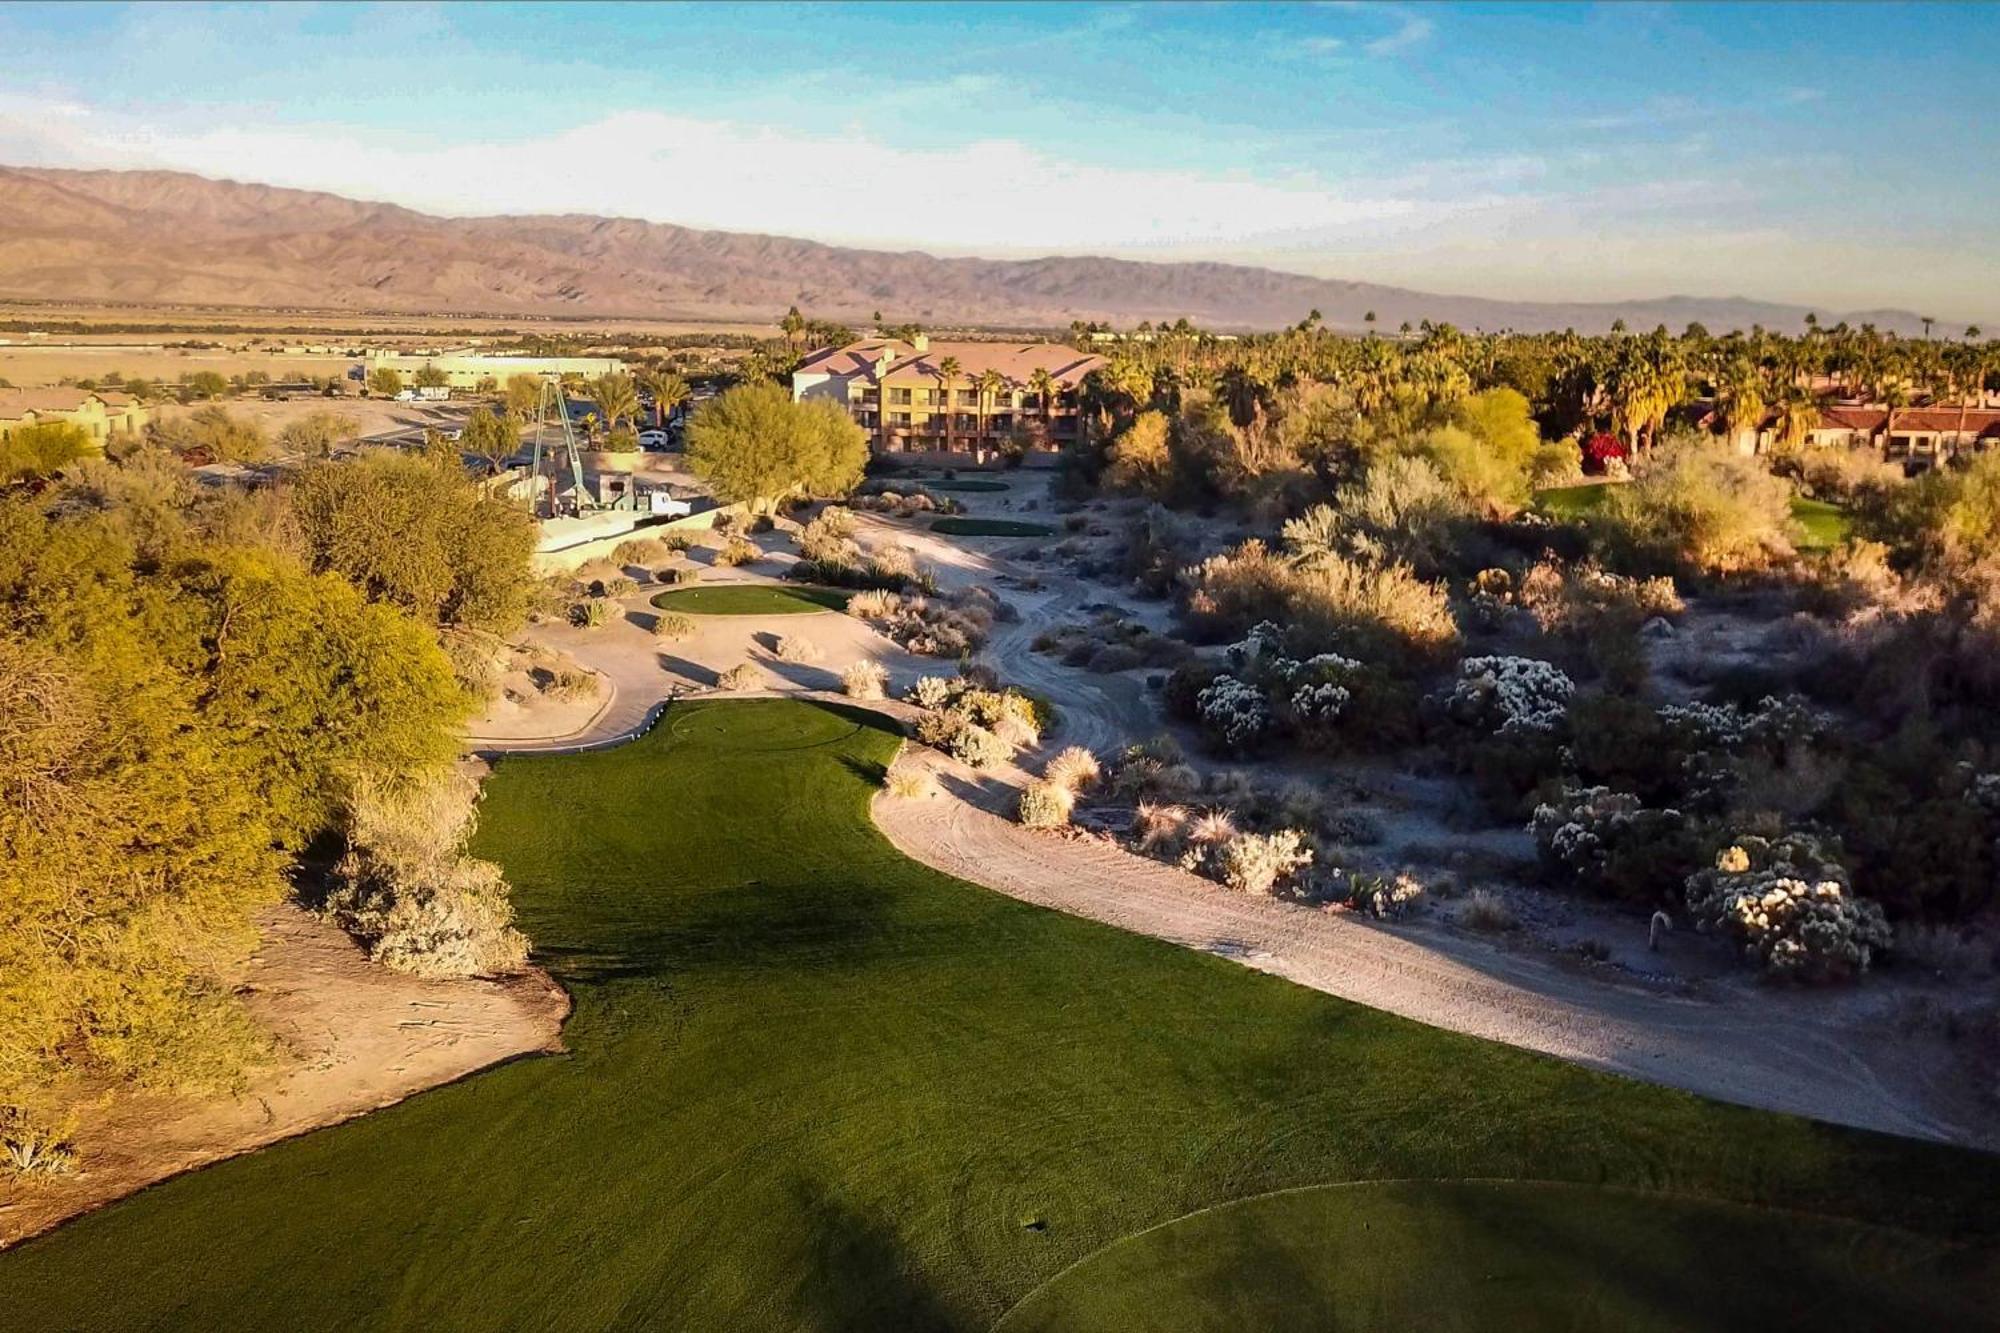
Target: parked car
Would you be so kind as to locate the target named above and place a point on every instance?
(406, 395)
(652, 439)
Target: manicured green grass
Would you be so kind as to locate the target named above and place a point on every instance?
(1569, 503)
(1468, 1255)
(812, 1084)
(968, 484)
(990, 527)
(752, 599)
(1823, 526)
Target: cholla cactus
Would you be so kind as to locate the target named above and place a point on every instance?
(1259, 862)
(1320, 704)
(1510, 695)
(1265, 641)
(1774, 724)
(1608, 842)
(1235, 711)
(1789, 902)
(933, 691)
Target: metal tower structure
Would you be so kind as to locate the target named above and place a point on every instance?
(554, 401)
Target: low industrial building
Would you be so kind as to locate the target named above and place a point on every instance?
(1004, 398)
(102, 414)
(468, 370)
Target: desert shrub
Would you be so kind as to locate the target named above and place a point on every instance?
(672, 625)
(1236, 713)
(406, 889)
(933, 691)
(1949, 953)
(679, 576)
(1789, 903)
(1158, 828)
(36, 1145)
(677, 541)
(1212, 827)
(640, 551)
(1845, 476)
(568, 683)
(1329, 602)
(1074, 769)
(742, 676)
(591, 613)
(1045, 804)
(1609, 844)
(1509, 695)
(798, 648)
(1403, 509)
(1699, 509)
(737, 550)
(909, 781)
(1385, 897)
(978, 747)
(1260, 862)
(864, 680)
(873, 604)
(1484, 909)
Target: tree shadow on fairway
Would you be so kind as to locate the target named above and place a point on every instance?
(858, 1273)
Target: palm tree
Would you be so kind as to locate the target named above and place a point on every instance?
(989, 383)
(1043, 385)
(1895, 397)
(616, 398)
(669, 391)
(1798, 414)
(1369, 320)
(948, 370)
(1739, 398)
(793, 324)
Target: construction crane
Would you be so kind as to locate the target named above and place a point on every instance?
(553, 398)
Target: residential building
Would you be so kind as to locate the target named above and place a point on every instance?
(101, 413)
(994, 404)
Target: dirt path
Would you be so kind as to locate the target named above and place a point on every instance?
(1832, 1057)
(353, 1037)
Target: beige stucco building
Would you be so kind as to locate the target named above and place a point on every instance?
(102, 414)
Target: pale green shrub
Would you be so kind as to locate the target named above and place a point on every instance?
(1484, 909)
(798, 648)
(864, 680)
(1259, 862)
(742, 676)
(1074, 769)
(909, 781)
(672, 625)
(1045, 804)
(408, 891)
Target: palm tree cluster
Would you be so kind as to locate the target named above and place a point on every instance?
(1622, 382)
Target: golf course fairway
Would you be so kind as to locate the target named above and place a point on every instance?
(811, 1084)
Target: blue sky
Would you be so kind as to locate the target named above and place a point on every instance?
(1840, 156)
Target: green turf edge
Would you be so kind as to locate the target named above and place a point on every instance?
(752, 599)
(1944, 1285)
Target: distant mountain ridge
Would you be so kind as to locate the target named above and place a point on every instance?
(165, 237)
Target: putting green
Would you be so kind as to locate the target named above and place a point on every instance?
(1472, 1255)
(990, 527)
(811, 1084)
(751, 599)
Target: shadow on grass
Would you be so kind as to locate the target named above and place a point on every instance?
(858, 1273)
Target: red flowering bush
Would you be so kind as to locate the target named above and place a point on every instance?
(1600, 450)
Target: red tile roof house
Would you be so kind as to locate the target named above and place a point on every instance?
(897, 392)
(100, 413)
(1917, 430)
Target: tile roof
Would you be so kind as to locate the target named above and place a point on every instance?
(17, 403)
(1017, 361)
(1977, 420)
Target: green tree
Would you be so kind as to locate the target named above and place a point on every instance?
(669, 391)
(417, 536)
(214, 432)
(318, 433)
(429, 376)
(617, 398)
(524, 396)
(205, 384)
(43, 449)
(753, 444)
(491, 438)
(385, 381)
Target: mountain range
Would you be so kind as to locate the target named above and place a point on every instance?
(172, 238)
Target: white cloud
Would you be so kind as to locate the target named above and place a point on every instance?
(838, 185)
(1414, 29)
